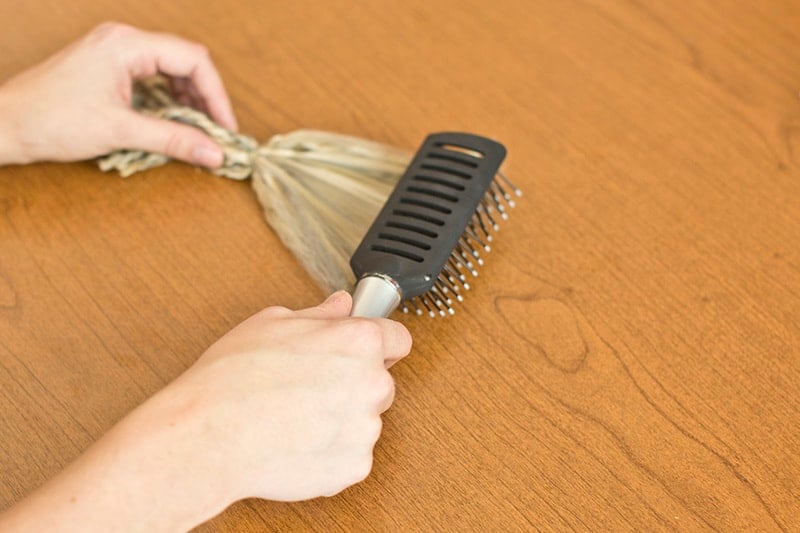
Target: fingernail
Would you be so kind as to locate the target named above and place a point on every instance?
(207, 156)
(234, 123)
(338, 295)
(227, 119)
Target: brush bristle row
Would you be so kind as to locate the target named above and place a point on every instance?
(466, 256)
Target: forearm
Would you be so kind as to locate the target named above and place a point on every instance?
(11, 148)
(145, 474)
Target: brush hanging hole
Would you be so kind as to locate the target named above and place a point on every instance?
(462, 150)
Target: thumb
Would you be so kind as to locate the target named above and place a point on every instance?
(337, 305)
(170, 138)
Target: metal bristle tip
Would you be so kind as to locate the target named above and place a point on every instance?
(435, 227)
(424, 302)
(517, 192)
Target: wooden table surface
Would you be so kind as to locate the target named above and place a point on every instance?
(629, 356)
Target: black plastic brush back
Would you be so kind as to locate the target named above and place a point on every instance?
(423, 219)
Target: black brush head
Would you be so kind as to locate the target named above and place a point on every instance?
(440, 214)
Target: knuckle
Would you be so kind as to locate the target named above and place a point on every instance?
(330, 493)
(367, 335)
(362, 468)
(118, 130)
(275, 311)
(372, 431)
(111, 30)
(384, 384)
(174, 147)
(404, 337)
(401, 337)
(202, 50)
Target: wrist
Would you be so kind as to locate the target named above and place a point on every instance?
(172, 444)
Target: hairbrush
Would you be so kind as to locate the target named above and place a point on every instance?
(433, 229)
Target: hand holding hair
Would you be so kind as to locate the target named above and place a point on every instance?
(77, 103)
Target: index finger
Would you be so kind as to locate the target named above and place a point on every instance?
(178, 57)
(380, 340)
(396, 341)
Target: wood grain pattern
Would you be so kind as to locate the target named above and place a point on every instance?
(629, 357)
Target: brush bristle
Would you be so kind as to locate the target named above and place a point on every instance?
(467, 255)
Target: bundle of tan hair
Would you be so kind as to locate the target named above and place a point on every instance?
(319, 191)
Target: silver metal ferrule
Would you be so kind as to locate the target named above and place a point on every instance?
(376, 296)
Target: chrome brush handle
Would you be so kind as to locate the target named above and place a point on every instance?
(376, 296)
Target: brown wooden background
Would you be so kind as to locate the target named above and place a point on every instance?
(628, 359)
